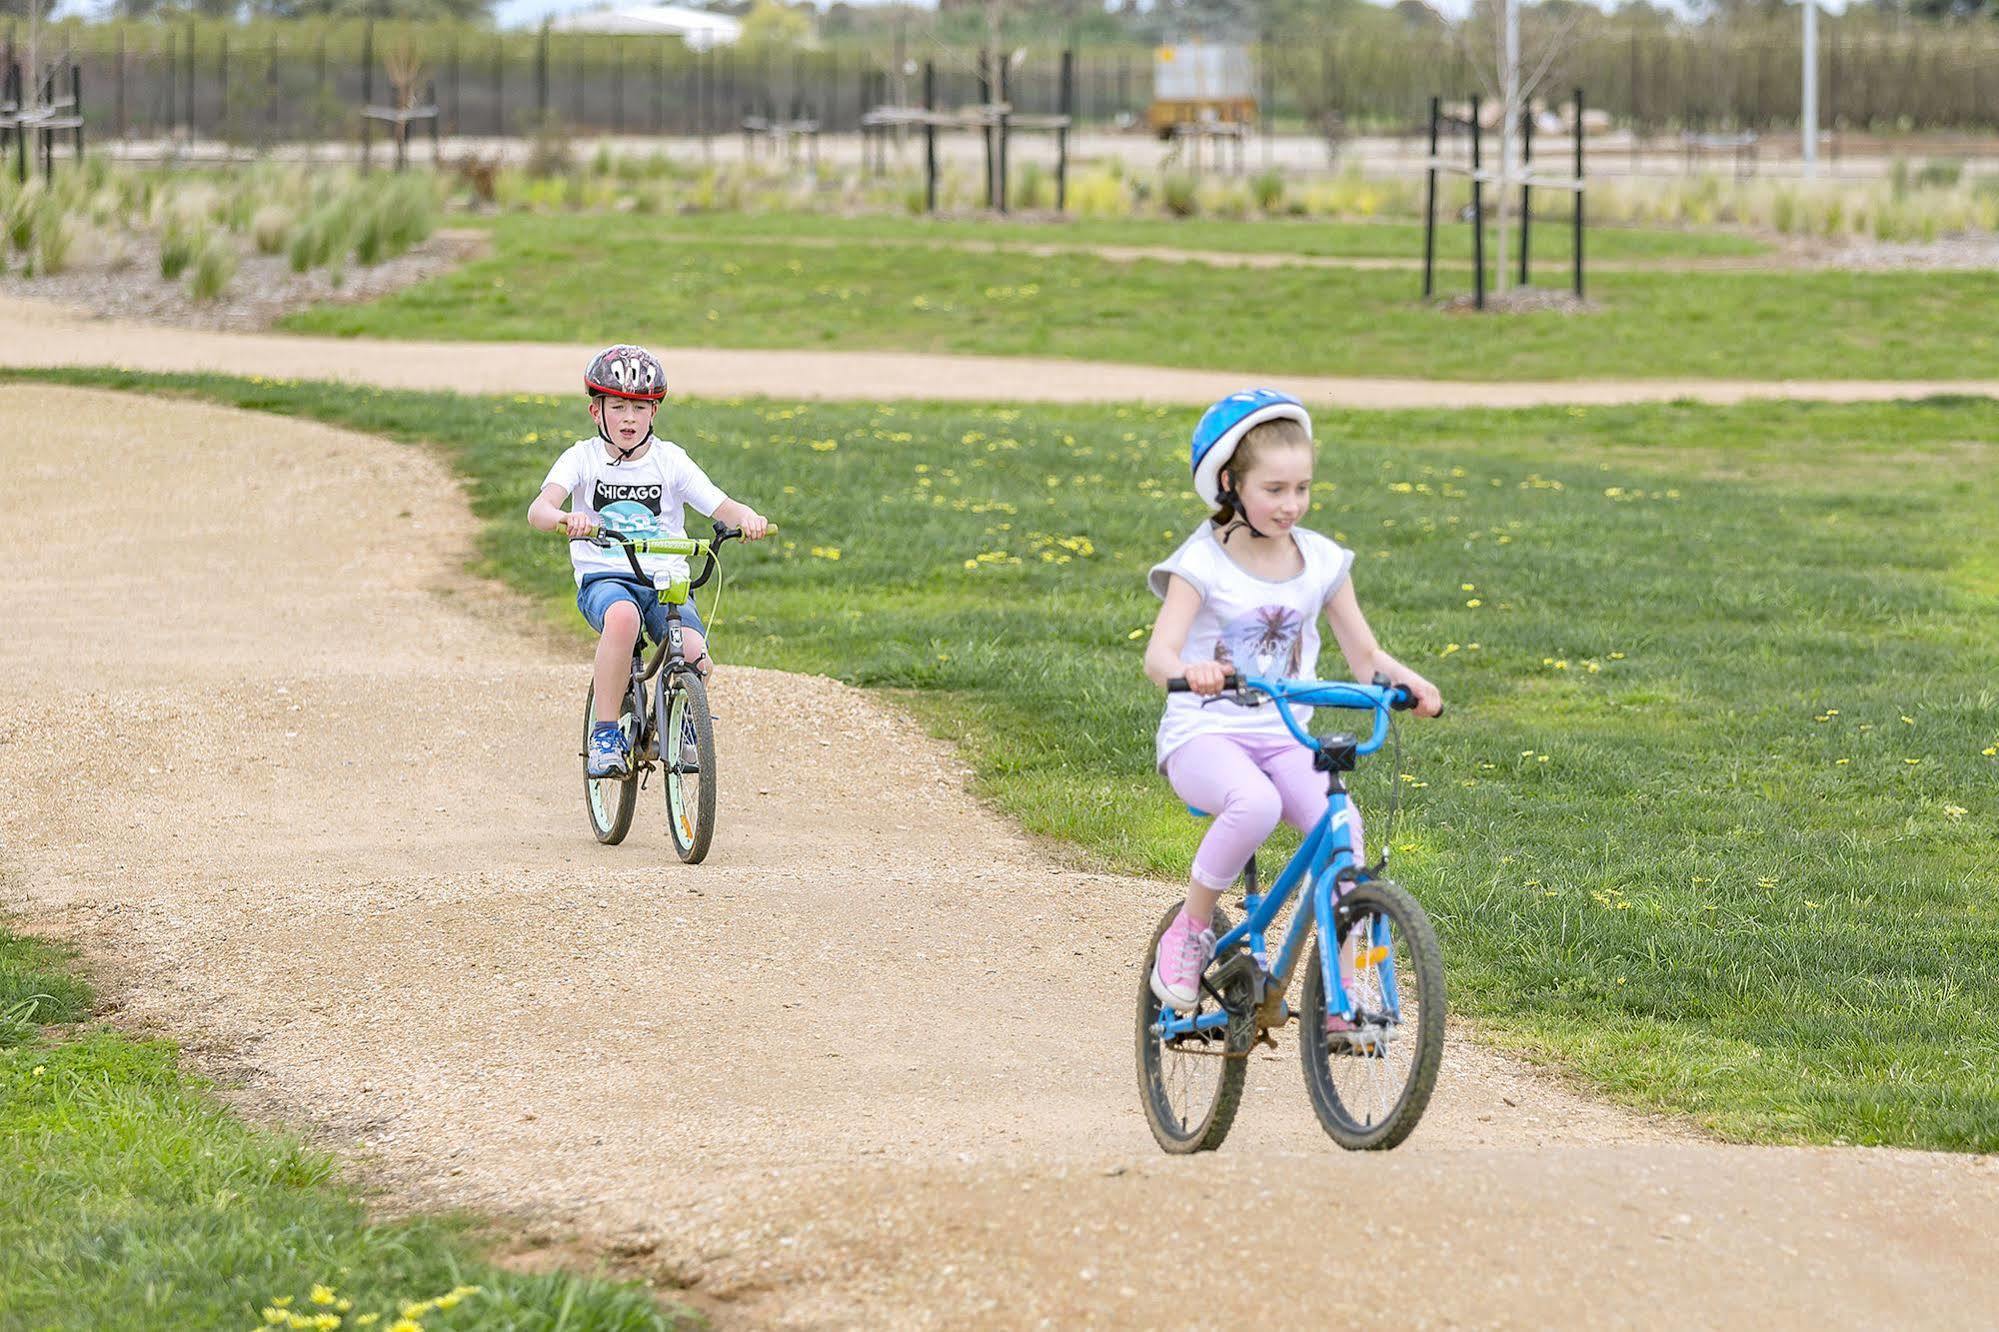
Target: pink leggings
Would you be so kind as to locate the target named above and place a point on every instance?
(1247, 782)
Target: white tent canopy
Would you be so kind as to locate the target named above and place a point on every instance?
(699, 29)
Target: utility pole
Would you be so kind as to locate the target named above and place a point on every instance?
(1810, 112)
(1509, 121)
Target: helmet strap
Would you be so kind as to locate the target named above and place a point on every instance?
(624, 455)
(1231, 497)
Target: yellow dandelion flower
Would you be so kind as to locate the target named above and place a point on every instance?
(1766, 883)
(1840, 763)
(1990, 751)
(1474, 603)
(323, 1295)
(1908, 721)
(1956, 811)
(406, 1325)
(1540, 758)
(39, 1070)
(1617, 656)
(1912, 762)
(1466, 587)
(1136, 633)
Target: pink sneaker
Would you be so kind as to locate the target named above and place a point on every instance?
(1184, 951)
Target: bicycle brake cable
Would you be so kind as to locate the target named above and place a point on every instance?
(1380, 865)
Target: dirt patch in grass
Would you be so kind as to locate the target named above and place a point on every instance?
(119, 276)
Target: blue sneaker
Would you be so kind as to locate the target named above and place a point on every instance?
(609, 755)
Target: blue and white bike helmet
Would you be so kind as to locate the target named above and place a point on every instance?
(1223, 425)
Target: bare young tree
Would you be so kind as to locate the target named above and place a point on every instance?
(1490, 39)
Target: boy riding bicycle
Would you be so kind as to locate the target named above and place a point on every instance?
(636, 483)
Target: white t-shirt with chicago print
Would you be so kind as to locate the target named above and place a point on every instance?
(1251, 624)
(639, 498)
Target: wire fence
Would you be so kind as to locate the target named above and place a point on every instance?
(269, 82)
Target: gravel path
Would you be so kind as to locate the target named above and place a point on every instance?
(37, 334)
(308, 794)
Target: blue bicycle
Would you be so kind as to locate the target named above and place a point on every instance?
(1372, 1016)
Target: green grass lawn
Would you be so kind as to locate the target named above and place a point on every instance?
(1334, 240)
(1711, 820)
(573, 278)
(131, 1199)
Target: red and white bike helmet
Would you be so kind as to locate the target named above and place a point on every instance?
(625, 371)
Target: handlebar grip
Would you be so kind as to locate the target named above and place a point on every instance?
(1403, 699)
(1178, 684)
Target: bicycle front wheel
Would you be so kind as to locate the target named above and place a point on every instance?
(611, 800)
(1369, 1087)
(687, 754)
(1191, 1085)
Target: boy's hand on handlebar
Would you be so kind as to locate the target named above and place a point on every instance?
(580, 524)
(1207, 678)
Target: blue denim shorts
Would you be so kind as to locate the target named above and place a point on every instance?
(597, 595)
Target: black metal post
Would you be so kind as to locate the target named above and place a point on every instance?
(1430, 208)
(499, 87)
(929, 137)
(76, 104)
(1579, 194)
(190, 83)
(1067, 110)
(1005, 125)
(367, 94)
(1477, 214)
(985, 101)
(436, 119)
(17, 95)
(541, 78)
(1526, 190)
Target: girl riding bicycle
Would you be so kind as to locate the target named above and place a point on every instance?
(1245, 592)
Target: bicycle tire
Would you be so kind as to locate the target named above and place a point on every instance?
(1177, 1133)
(690, 797)
(1381, 1124)
(609, 801)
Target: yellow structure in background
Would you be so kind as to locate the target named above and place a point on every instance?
(1195, 83)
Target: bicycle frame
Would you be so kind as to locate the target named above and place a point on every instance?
(1325, 858)
(675, 594)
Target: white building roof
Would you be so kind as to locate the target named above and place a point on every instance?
(698, 28)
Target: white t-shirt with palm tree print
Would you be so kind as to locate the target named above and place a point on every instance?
(1250, 624)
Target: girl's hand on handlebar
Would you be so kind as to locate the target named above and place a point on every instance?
(580, 524)
(1207, 678)
(1428, 701)
(755, 526)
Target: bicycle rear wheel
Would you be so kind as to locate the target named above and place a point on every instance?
(1369, 1088)
(688, 732)
(611, 800)
(1191, 1085)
